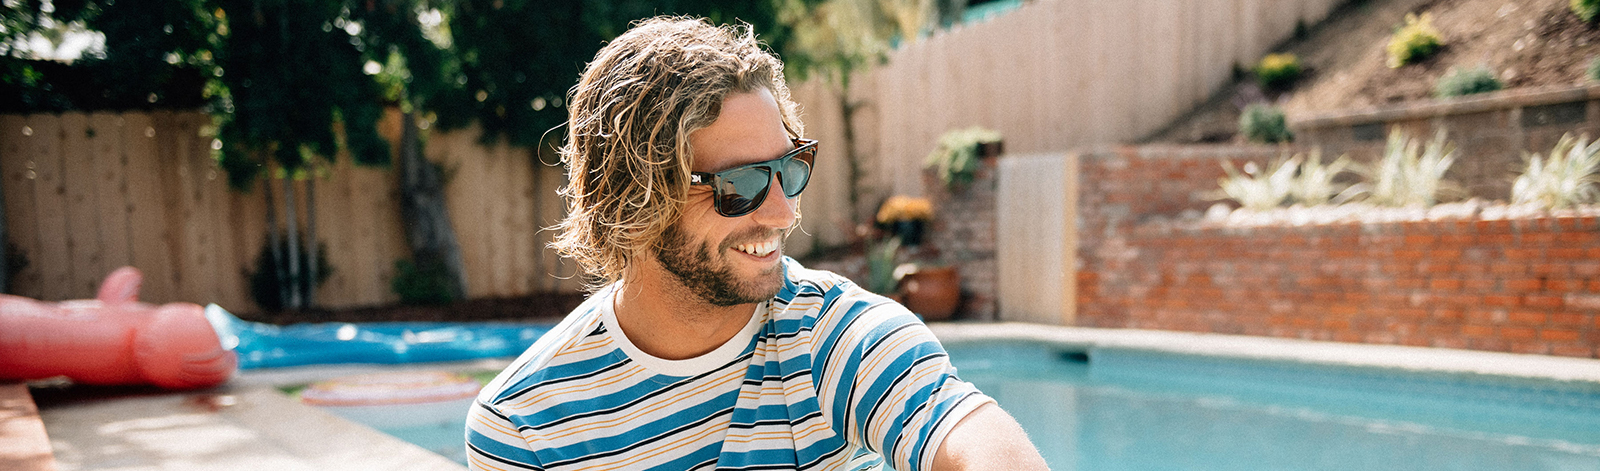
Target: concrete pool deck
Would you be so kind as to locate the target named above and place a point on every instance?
(249, 425)
(1391, 357)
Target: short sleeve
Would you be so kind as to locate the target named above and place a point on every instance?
(888, 384)
(493, 442)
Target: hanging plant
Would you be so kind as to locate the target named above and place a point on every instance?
(955, 160)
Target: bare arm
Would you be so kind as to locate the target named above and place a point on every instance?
(987, 438)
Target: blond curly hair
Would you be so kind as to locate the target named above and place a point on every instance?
(627, 150)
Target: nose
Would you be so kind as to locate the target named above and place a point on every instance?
(778, 210)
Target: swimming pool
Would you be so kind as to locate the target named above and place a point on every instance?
(1165, 400)
(1118, 409)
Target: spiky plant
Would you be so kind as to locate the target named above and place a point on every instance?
(1258, 190)
(1410, 174)
(1315, 183)
(1570, 175)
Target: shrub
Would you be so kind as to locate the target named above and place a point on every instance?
(1258, 190)
(1569, 176)
(1264, 123)
(1409, 174)
(1458, 82)
(955, 158)
(1413, 42)
(422, 283)
(265, 287)
(881, 265)
(1278, 71)
(1586, 9)
(1594, 69)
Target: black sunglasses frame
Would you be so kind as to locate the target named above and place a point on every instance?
(774, 167)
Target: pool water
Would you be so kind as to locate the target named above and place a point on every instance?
(1109, 409)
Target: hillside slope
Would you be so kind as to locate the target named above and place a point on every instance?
(1527, 43)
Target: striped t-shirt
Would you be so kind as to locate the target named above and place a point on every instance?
(825, 376)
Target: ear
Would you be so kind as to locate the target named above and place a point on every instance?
(121, 286)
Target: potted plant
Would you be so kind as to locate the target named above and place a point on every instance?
(905, 217)
(959, 153)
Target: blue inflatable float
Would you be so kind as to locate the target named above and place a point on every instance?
(268, 346)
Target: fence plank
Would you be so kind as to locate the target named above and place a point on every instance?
(500, 236)
(83, 224)
(111, 184)
(55, 254)
(17, 168)
(247, 235)
(146, 214)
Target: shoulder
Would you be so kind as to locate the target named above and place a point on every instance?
(552, 353)
(821, 293)
(839, 310)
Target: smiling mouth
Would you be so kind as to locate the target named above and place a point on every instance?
(758, 249)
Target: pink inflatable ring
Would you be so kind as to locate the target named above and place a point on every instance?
(397, 399)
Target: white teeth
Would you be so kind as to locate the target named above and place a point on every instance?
(759, 249)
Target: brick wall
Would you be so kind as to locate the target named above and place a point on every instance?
(1529, 285)
(963, 234)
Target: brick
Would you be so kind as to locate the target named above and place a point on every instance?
(1508, 268)
(1444, 254)
(1558, 335)
(1477, 330)
(1527, 317)
(1563, 284)
(1531, 347)
(1408, 254)
(1542, 301)
(1517, 332)
(1509, 301)
(1588, 302)
(1445, 284)
(1524, 284)
(1577, 238)
(1448, 343)
(1522, 254)
(1420, 239)
(1570, 350)
(1568, 319)
(1566, 253)
(1448, 315)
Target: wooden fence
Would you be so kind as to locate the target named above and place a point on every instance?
(1053, 76)
(87, 193)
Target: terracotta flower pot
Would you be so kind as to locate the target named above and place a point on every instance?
(934, 293)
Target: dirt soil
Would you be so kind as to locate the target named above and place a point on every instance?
(1528, 43)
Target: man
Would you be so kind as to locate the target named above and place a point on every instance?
(704, 347)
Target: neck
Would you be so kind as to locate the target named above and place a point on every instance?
(664, 319)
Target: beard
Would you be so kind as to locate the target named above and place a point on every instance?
(709, 277)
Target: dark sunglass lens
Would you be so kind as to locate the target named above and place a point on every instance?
(794, 175)
(742, 190)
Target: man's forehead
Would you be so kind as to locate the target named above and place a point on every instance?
(748, 129)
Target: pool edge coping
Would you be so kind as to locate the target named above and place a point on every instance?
(1392, 357)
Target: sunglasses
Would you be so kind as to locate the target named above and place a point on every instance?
(740, 190)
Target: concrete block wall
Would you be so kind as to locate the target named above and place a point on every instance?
(1491, 131)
